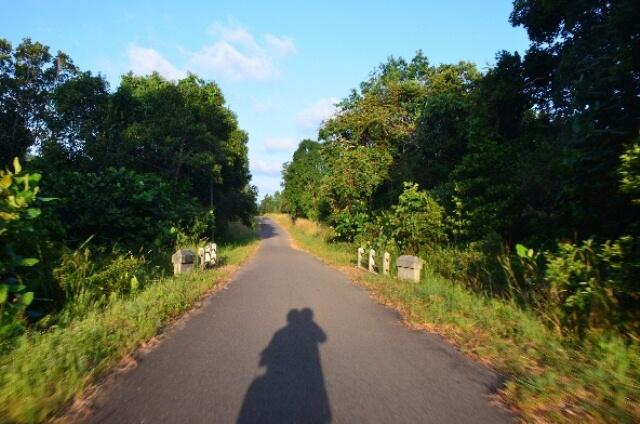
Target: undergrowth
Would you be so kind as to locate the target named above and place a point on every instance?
(46, 370)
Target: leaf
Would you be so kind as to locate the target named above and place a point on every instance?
(521, 250)
(33, 213)
(6, 180)
(5, 216)
(134, 283)
(4, 293)
(16, 165)
(28, 262)
(16, 288)
(26, 298)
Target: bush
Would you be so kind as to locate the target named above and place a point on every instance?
(115, 206)
(91, 281)
(18, 195)
(417, 221)
(349, 226)
(596, 286)
(580, 286)
(196, 233)
(470, 265)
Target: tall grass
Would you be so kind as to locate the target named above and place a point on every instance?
(549, 378)
(47, 370)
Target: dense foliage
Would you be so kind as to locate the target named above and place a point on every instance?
(128, 174)
(541, 151)
(18, 210)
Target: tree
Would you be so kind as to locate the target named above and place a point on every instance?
(79, 116)
(181, 132)
(28, 76)
(134, 209)
(301, 179)
(584, 69)
(271, 204)
(443, 127)
(355, 176)
(508, 182)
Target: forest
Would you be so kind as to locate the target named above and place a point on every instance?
(100, 185)
(520, 182)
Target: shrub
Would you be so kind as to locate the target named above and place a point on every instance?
(133, 209)
(596, 286)
(18, 195)
(417, 221)
(470, 265)
(580, 286)
(348, 226)
(91, 281)
(196, 233)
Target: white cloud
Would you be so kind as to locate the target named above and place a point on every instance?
(283, 46)
(234, 33)
(224, 60)
(310, 118)
(279, 144)
(234, 56)
(143, 61)
(262, 167)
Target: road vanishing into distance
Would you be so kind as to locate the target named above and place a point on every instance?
(291, 340)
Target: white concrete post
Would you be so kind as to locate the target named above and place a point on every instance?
(202, 258)
(208, 255)
(386, 261)
(182, 261)
(360, 254)
(409, 267)
(372, 260)
(211, 254)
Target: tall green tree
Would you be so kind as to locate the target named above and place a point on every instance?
(442, 133)
(509, 180)
(584, 69)
(301, 179)
(179, 131)
(28, 76)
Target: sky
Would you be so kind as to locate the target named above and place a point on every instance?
(282, 65)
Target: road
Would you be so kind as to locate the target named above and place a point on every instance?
(291, 340)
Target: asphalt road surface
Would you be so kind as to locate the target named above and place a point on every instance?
(291, 340)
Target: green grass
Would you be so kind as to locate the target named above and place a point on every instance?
(549, 378)
(45, 371)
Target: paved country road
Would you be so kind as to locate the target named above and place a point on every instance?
(292, 340)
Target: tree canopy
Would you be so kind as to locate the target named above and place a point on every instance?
(540, 149)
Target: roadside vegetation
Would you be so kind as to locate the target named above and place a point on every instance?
(46, 370)
(549, 378)
(518, 186)
(98, 187)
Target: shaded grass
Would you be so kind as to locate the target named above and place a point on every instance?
(549, 378)
(45, 371)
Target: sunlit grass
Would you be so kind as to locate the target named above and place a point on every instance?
(548, 378)
(312, 236)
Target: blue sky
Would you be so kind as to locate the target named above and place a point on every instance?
(281, 65)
